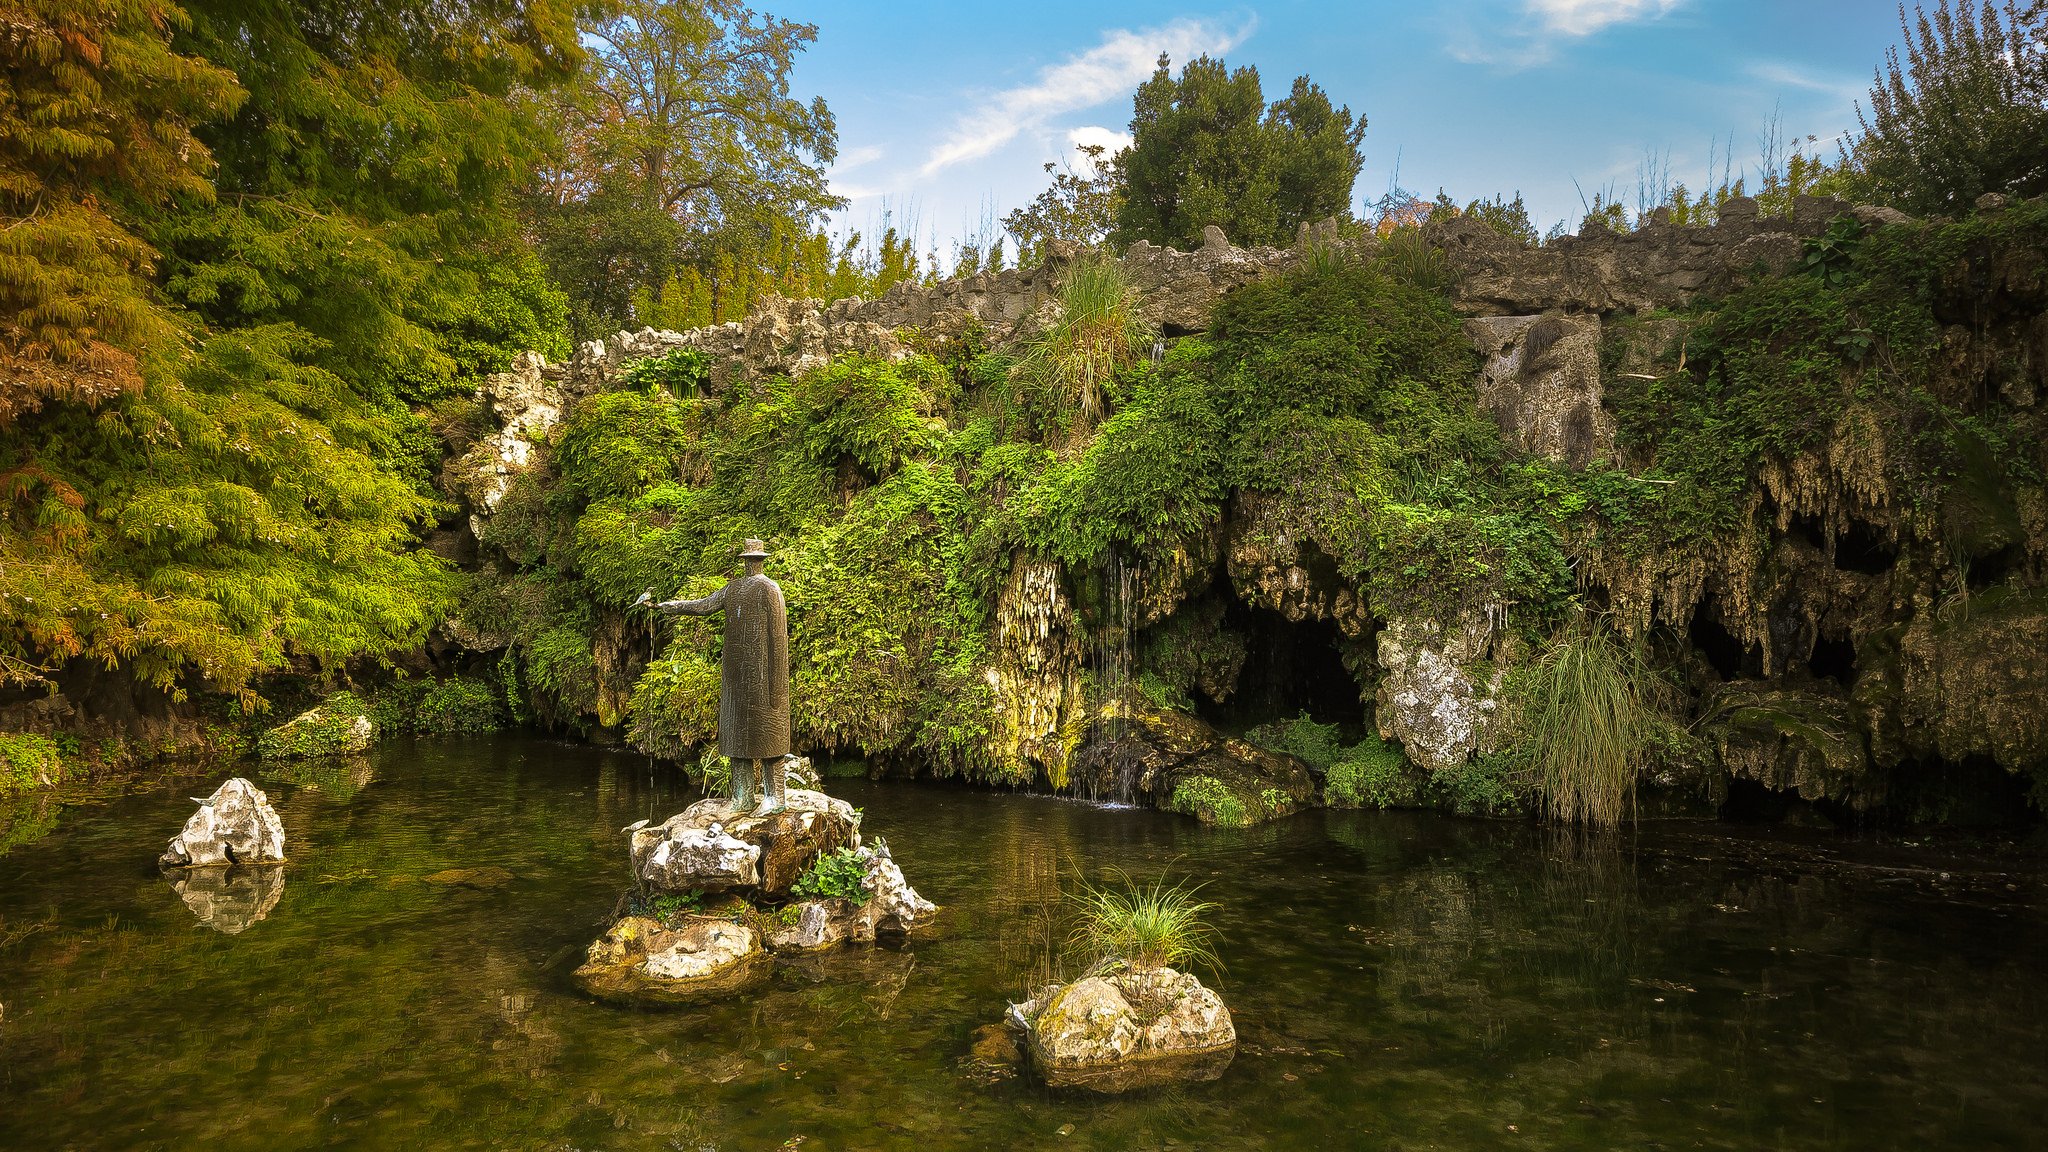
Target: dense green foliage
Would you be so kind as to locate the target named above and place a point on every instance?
(255, 501)
(29, 761)
(1965, 113)
(1206, 149)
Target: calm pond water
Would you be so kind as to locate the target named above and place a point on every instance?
(1399, 981)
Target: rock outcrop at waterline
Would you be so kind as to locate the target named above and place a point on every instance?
(731, 882)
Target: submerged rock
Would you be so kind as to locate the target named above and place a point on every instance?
(235, 825)
(641, 960)
(1127, 1028)
(229, 900)
(710, 847)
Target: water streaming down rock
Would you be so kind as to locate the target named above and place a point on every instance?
(1121, 582)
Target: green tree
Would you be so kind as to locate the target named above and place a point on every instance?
(1079, 208)
(1965, 113)
(681, 144)
(1206, 149)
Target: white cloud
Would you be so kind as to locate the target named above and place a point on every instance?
(1530, 38)
(1787, 76)
(1585, 17)
(1109, 140)
(1104, 72)
(854, 158)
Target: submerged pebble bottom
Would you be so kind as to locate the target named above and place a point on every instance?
(1399, 980)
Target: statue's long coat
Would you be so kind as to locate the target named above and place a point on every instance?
(753, 673)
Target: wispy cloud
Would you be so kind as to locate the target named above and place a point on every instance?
(1104, 72)
(1531, 34)
(1585, 17)
(1786, 76)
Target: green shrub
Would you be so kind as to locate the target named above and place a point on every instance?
(840, 874)
(29, 761)
(1145, 927)
(1372, 774)
(1484, 786)
(458, 705)
(1210, 800)
(1314, 744)
(682, 373)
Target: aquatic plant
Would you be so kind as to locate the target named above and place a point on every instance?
(1145, 926)
(1588, 721)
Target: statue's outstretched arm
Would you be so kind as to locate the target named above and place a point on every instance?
(704, 607)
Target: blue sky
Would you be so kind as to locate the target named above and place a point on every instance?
(947, 111)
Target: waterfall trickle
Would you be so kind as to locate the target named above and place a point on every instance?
(1113, 663)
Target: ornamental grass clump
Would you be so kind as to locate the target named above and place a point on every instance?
(1590, 725)
(1096, 332)
(1145, 927)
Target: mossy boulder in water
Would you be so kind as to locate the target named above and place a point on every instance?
(1126, 1028)
(338, 727)
(643, 961)
(1137, 751)
(887, 906)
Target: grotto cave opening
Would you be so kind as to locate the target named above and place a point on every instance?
(1290, 667)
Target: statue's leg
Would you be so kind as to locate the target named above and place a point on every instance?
(742, 784)
(775, 785)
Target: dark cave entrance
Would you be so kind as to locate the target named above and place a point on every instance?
(1729, 657)
(1289, 668)
(1833, 660)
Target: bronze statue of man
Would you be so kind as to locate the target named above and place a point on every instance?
(753, 678)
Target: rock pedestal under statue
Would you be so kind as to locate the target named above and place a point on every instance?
(714, 899)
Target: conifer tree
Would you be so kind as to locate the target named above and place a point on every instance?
(96, 121)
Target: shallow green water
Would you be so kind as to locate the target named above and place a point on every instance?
(1399, 981)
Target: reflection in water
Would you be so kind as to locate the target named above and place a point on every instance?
(229, 899)
(333, 777)
(1398, 980)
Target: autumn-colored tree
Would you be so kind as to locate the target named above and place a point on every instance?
(96, 120)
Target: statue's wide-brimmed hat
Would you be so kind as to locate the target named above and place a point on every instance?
(755, 549)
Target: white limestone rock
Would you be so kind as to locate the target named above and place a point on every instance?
(236, 825)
